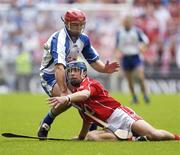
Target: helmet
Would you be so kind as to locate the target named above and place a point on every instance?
(76, 64)
(75, 21)
(74, 15)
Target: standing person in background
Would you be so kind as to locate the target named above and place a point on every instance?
(130, 43)
(23, 69)
(62, 47)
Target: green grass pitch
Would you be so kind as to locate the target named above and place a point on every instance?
(22, 113)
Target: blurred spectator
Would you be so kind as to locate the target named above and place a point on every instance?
(23, 69)
(24, 23)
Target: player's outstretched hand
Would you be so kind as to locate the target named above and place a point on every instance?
(56, 101)
(111, 67)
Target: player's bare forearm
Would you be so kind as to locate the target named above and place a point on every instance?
(75, 98)
(99, 66)
(84, 130)
(143, 47)
(79, 96)
(60, 77)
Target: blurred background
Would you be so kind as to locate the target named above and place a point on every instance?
(25, 26)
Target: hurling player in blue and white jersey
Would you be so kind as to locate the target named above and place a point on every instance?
(62, 47)
(131, 42)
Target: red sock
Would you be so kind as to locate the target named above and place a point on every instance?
(176, 137)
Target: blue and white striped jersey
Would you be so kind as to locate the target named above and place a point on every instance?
(60, 49)
(128, 42)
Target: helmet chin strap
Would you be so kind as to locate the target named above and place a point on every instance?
(82, 75)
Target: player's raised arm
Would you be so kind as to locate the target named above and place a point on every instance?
(109, 67)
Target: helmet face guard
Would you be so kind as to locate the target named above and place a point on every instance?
(76, 65)
(75, 21)
(75, 27)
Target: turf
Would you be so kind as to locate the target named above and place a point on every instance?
(22, 113)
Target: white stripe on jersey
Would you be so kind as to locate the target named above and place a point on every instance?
(61, 47)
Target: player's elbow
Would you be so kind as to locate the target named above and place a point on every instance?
(59, 67)
(92, 136)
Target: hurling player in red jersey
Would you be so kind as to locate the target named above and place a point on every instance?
(91, 96)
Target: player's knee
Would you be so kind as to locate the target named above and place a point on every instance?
(91, 136)
(154, 135)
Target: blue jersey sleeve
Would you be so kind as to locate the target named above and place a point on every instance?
(54, 48)
(88, 51)
(58, 48)
(139, 33)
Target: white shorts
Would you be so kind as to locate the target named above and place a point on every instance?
(123, 118)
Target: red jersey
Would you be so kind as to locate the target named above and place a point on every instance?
(100, 104)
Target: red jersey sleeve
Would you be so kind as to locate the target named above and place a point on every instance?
(93, 90)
